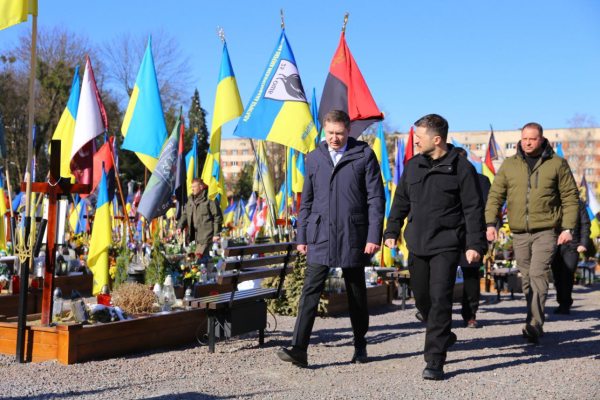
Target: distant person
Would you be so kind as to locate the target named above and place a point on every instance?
(566, 259)
(340, 224)
(471, 278)
(202, 217)
(439, 195)
(543, 205)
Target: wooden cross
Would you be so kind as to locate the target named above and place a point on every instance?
(55, 187)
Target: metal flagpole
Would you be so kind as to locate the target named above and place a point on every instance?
(26, 249)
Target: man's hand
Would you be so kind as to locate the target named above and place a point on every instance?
(474, 256)
(371, 248)
(581, 249)
(302, 248)
(216, 238)
(391, 243)
(565, 237)
(492, 234)
(178, 231)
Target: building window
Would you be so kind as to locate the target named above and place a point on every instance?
(234, 174)
(573, 159)
(234, 163)
(573, 145)
(224, 163)
(244, 163)
(574, 172)
(511, 146)
(589, 144)
(589, 158)
(589, 171)
(244, 152)
(234, 152)
(554, 145)
(480, 146)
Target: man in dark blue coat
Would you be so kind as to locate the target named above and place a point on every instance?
(340, 225)
(439, 195)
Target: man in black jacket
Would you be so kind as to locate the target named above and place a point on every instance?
(470, 271)
(439, 196)
(565, 261)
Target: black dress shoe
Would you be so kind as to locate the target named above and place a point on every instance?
(558, 310)
(434, 370)
(294, 355)
(420, 317)
(360, 356)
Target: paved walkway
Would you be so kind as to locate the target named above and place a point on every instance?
(492, 362)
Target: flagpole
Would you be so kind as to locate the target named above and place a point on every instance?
(285, 196)
(27, 250)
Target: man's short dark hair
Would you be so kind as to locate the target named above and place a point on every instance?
(461, 151)
(337, 116)
(436, 125)
(198, 181)
(534, 125)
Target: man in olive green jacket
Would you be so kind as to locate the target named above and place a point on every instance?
(202, 217)
(542, 201)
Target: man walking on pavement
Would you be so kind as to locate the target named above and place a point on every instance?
(470, 271)
(542, 200)
(202, 217)
(340, 224)
(440, 197)
(565, 261)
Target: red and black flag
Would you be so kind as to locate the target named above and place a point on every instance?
(103, 157)
(181, 175)
(345, 89)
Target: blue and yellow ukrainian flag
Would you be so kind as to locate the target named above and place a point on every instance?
(101, 238)
(13, 12)
(278, 110)
(299, 172)
(314, 111)
(144, 126)
(66, 128)
(190, 164)
(381, 153)
(228, 106)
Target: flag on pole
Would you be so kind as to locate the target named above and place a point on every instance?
(144, 126)
(314, 111)
(263, 184)
(88, 125)
(181, 192)
(345, 89)
(380, 149)
(278, 110)
(228, 106)
(2, 214)
(13, 12)
(103, 158)
(559, 150)
(190, 163)
(101, 239)
(66, 127)
(158, 196)
(398, 162)
(410, 147)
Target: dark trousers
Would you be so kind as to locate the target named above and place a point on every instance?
(471, 288)
(314, 282)
(564, 266)
(432, 282)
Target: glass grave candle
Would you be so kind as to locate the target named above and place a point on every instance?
(57, 306)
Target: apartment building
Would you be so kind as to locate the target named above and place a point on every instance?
(235, 153)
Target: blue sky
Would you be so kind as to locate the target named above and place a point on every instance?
(475, 62)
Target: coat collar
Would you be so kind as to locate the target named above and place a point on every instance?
(447, 161)
(354, 150)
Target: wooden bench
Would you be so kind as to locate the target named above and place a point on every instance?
(505, 279)
(403, 278)
(238, 312)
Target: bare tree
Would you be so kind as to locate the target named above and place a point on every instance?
(123, 56)
(580, 144)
